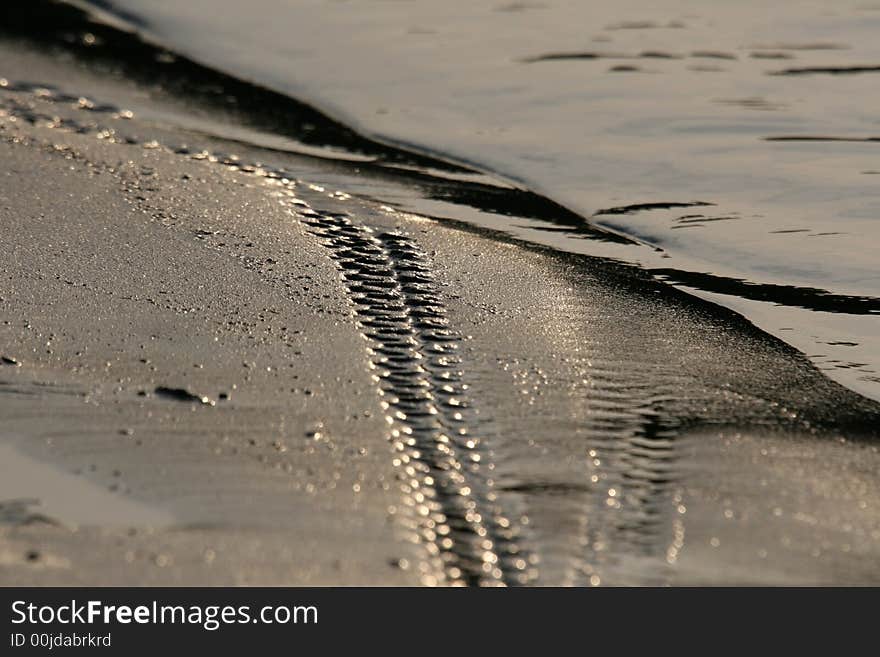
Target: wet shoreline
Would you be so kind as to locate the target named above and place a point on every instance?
(313, 385)
(787, 240)
(582, 403)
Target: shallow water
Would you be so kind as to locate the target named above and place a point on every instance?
(625, 112)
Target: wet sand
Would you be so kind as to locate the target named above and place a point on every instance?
(220, 371)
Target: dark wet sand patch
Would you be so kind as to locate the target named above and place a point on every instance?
(645, 25)
(712, 54)
(694, 219)
(642, 207)
(706, 68)
(820, 138)
(771, 55)
(752, 103)
(562, 56)
(658, 54)
(802, 46)
(788, 295)
(827, 70)
(514, 7)
(646, 54)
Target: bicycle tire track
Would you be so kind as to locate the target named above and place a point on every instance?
(435, 429)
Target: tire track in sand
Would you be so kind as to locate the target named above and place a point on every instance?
(438, 437)
(451, 507)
